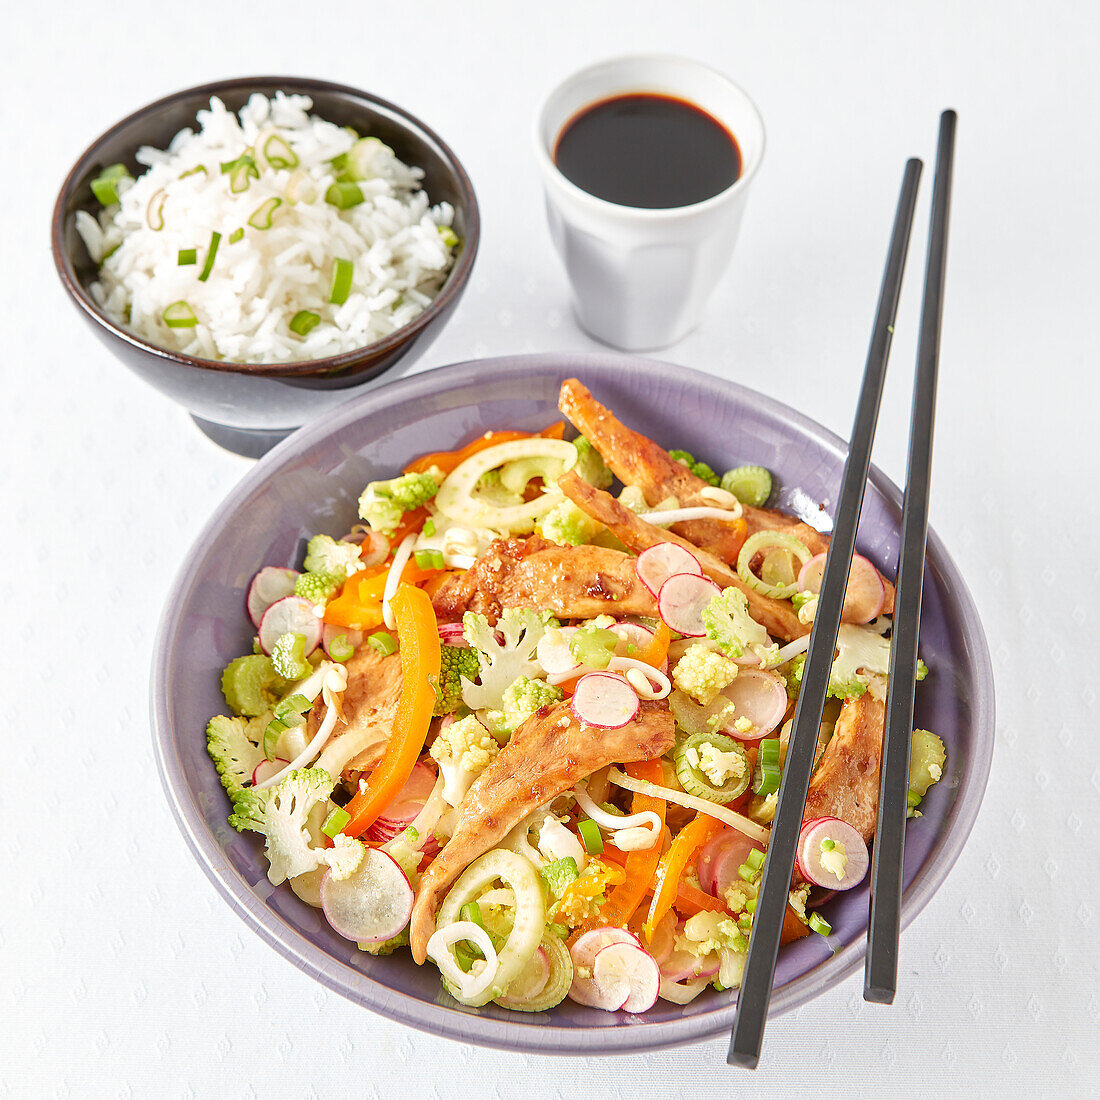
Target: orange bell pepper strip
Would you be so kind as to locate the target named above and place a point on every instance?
(691, 900)
(359, 604)
(688, 841)
(450, 460)
(656, 653)
(418, 639)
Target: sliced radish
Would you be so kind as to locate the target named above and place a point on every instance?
(265, 769)
(840, 868)
(532, 978)
(373, 904)
(553, 651)
(453, 634)
(290, 615)
(727, 868)
(268, 586)
(631, 636)
(863, 598)
(589, 945)
(681, 601)
(682, 993)
(759, 696)
(621, 968)
(664, 938)
(728, 845)
(683, 964)
(586, 990)
(655, 565)
(406, 805)
(604, 700)
(333, 647)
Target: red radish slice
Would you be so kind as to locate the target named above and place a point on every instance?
(631, 634)
(681, 600)
(452, 634)
(406, 806)
(655, 565)
(729, 848)
(759, 696)
(330, 639)
(265, 769)
(865, 595)
(268, 586)
(682, 994)
(848, 856)
(531, 981)
(373, 904)
(293, 615)
(621, 967)
(604, 700)
(584, 990)
(664, 938)
(683, 964)
(553, 651)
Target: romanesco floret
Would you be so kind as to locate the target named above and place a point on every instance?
(502, 663)
(405, 851)
(386, 947)
(699, 469)
(383, 503)
(463, 750)
(590, 465)
(324, 554)
(521, 700)
(727, 621)
(567, 525)
(708, 933)
(718, 766)
(455, 664)
(234, 746)
(279, 814)
(288, 656)
(317, 587)
(702, 673)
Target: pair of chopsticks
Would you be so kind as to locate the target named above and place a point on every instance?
(880, 979)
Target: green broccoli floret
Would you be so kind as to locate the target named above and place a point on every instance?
(567, 525)
(502, 663)
(288, 655)
(590, 465)
(383, 503)
(252, 685)
(699, 469)
(386, 947)
(325, 554)
(727, 621)
(685, 458)
(317, 587)
(520, 701)
(234, 746)
(455, 662)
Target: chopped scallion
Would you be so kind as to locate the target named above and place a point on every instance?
(293, 704)
(180, 315)
(211, 252)
(450, 237)
(236, 235)
(304, 322)
(340, 649)
(105, 185)
(240, 171)
(819, 924)
(383, 642)
(278, 153)
(262, 215)
(335, 822)
(828, 845)
(591, 837)
(199, 168)
(344, 195)
(429, 527)
(154, 211)
(750, 905)
(342, 271)
(429, 559)
(471, 911)
(755, 859)
(188, 256)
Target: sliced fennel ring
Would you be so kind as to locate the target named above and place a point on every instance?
(527, 926)
(457, 501)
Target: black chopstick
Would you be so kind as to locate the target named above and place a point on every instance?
(881, 973)
(756, 985)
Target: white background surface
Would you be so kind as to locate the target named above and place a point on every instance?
(122, 972)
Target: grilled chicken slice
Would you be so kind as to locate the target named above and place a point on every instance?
(547, 755)
(574, 582)
(368, 709)
(845, 784)
(637, 460)
(778, 617)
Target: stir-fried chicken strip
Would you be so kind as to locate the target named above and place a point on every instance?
(846, 782)
(637, 460)
(573, 582)
(547, 755)
(367, 713)
(777, 617)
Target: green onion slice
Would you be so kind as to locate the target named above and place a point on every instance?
(591, 837)
(194, 171)
(262, 215)
(471, 911)
(342, 271)
(240, 171)
(180, 315)
(340, 649)
(383, 642)
(236, 235)
(105, 185)
(344, 195)
(450, 237)
(304, 322)
(154, 211)
(819, 924)
(211, 252)
(429, 559)
(278, 153)
(765, 540)
(335, 822)
(188, 256)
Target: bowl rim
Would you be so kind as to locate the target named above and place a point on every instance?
(452, 288)
(504, 1034)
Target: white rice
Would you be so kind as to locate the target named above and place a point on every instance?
(396, 242)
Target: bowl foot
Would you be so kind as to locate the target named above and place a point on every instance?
(249, 442)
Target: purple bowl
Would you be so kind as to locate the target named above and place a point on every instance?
(310, 483)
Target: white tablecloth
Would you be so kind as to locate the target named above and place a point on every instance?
(123, 973)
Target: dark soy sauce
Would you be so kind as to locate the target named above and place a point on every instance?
(647, 150)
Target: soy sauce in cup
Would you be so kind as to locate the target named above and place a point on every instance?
(647, 150)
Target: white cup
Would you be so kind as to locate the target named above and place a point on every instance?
(641, 277)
